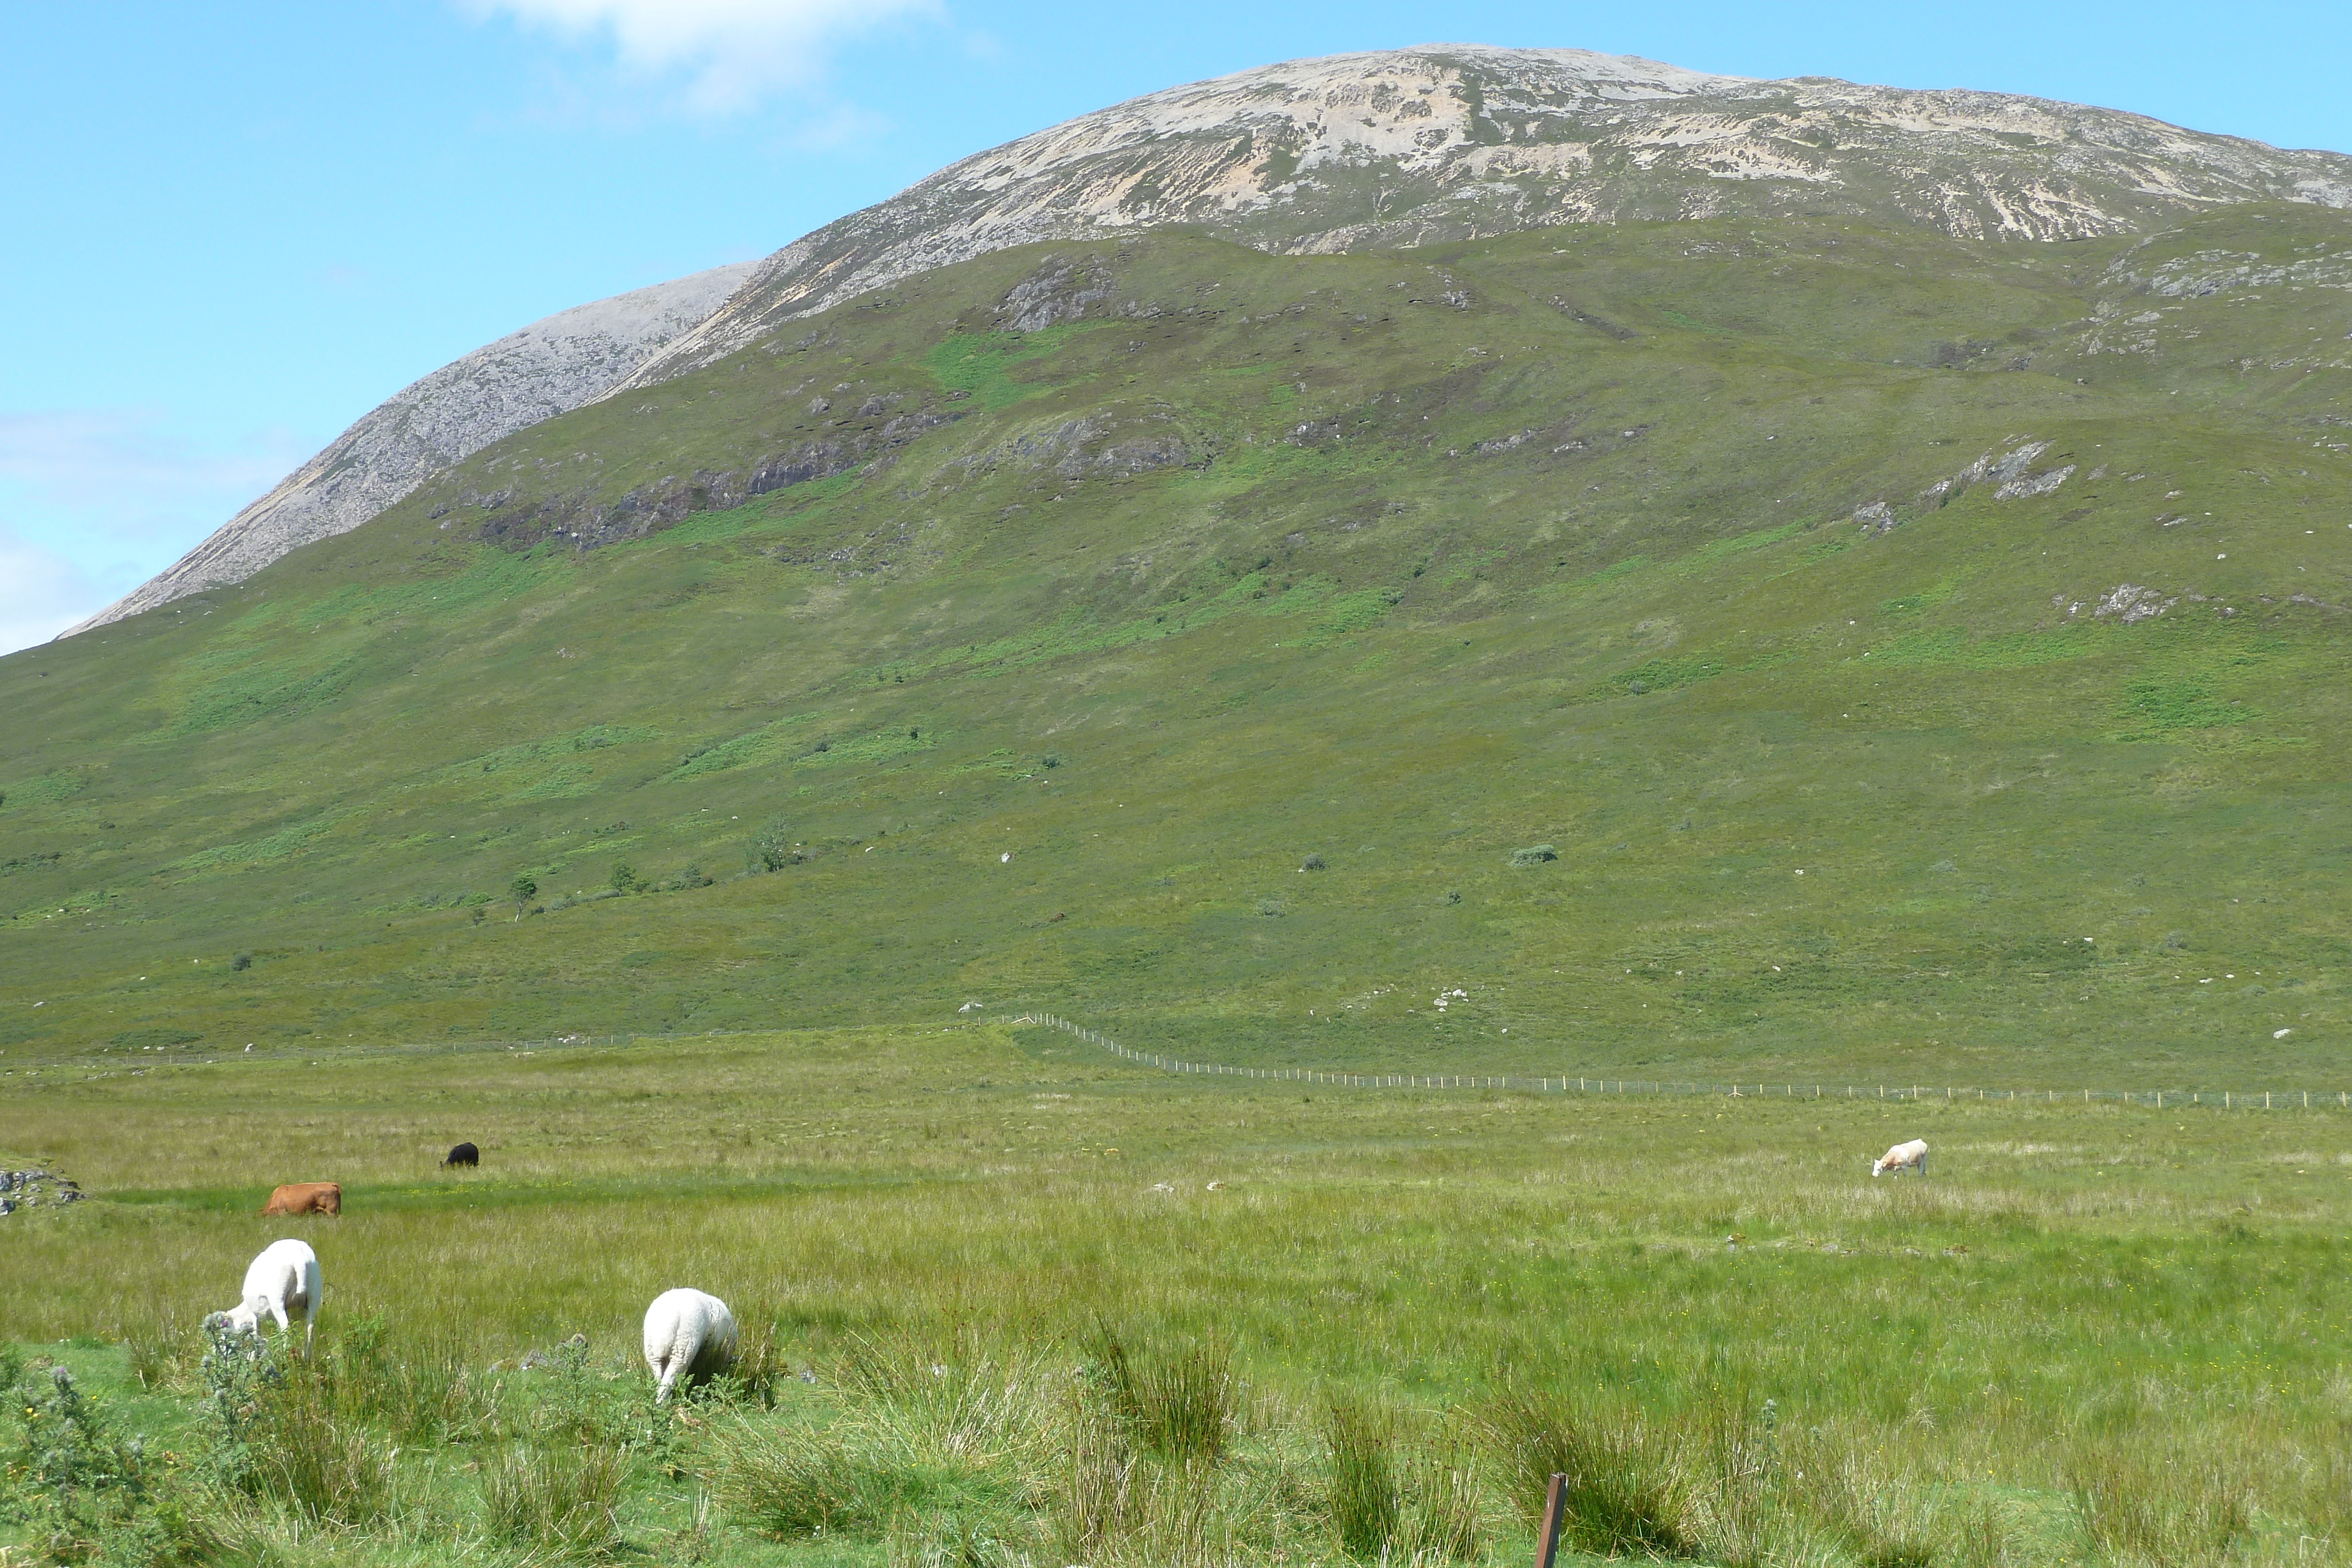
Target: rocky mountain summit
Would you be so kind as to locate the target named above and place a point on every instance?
(1352, 153)
(551, 366)
(1451, 142)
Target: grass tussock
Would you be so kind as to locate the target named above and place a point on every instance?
(2159, 1507)
(1630, 1490)
(562, 1499)
(905, 1437)
(1179, 1403)
(1392, 1498)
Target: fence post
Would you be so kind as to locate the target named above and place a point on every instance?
(1547, 1541)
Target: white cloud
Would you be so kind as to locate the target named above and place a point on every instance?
(128, 471)
(41, 594)
(95, 501)
(729, 52)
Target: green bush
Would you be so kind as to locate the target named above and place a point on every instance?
(1534, 855)
(771, 846)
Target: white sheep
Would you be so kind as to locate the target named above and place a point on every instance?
(688, 1335)
(280, 1283)
(1910, 1156)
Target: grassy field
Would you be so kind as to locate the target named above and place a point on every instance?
(903, 660)
(1012, 1300)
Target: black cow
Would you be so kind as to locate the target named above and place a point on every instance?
(464, 1155)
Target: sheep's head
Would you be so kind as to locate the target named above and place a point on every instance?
(242, 1318)
(1877, 1166)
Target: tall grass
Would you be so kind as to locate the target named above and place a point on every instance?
(1629, 1484)
(2158, 1505)
(562, 1497)
(1178, 1403)
(903, 1437)
(1364, 1504)
(316, 1454)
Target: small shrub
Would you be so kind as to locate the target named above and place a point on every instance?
(624, 877)
(420, 1391)
(1454, 897)
(1534, 855)
(558, 1497)
(1312, 862)
(154, 1351)
(242, 961)
(522, 890)
(771, 846)
(1050, 760)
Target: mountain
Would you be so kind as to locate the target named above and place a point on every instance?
(552, 365)
(1413, 147)
(1788, 646)
(1352, 153)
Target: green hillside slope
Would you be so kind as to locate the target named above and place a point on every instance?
(1922, 657)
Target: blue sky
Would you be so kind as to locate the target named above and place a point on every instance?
(231, 230)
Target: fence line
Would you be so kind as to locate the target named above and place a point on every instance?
(2160, 1099)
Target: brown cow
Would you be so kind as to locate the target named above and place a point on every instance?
(306, 1198)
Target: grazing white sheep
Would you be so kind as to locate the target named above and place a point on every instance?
(688, 1335)
(280, 1283)
(1910, 1156)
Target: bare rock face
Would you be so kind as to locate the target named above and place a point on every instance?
(550, 367)
(1456, 142)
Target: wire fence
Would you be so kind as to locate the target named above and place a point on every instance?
(2158, 1098)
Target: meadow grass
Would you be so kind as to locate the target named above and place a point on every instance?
(1002, 1317)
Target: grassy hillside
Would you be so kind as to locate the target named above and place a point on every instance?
(1923, 658)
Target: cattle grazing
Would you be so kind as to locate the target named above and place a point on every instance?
(281, 1282)
(688, 1335)
(305, 1198)
(464, 1155)
(1910, 1156)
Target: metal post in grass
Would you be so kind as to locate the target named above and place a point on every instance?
(1547, 1541)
